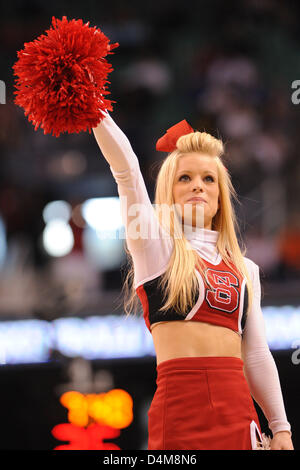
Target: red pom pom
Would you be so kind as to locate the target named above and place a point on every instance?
(62, 77)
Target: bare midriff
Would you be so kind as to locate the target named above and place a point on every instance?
(175, 339)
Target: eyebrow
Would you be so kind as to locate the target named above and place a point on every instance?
(205, 171)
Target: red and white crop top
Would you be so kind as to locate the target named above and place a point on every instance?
(222, 298)
(222, 302)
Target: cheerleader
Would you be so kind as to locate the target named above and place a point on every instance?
(200, 297)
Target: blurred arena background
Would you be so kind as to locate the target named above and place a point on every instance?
(229, 68)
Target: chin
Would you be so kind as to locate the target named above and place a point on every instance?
(194, 216)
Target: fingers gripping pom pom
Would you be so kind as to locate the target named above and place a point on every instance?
(62, 77)
(265, 443)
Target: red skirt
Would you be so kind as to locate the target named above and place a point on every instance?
(202, 403)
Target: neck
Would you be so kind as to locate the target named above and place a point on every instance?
(200, 233)
(187, 227)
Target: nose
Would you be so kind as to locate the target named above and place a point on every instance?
(197, 185)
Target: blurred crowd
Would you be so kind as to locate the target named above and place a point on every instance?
(228, 71)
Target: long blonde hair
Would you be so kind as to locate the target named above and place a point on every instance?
(179, 283)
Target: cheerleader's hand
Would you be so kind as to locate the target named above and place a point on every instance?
(282, 441)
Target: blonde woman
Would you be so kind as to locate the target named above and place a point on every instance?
(200, 296)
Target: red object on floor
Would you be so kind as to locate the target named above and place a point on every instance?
(90, 438)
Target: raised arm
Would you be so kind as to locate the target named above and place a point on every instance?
(259, 365)
(125, 168)
(149, 246)
(115, 147)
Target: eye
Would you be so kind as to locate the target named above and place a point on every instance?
(183, 176)
(211, 178)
